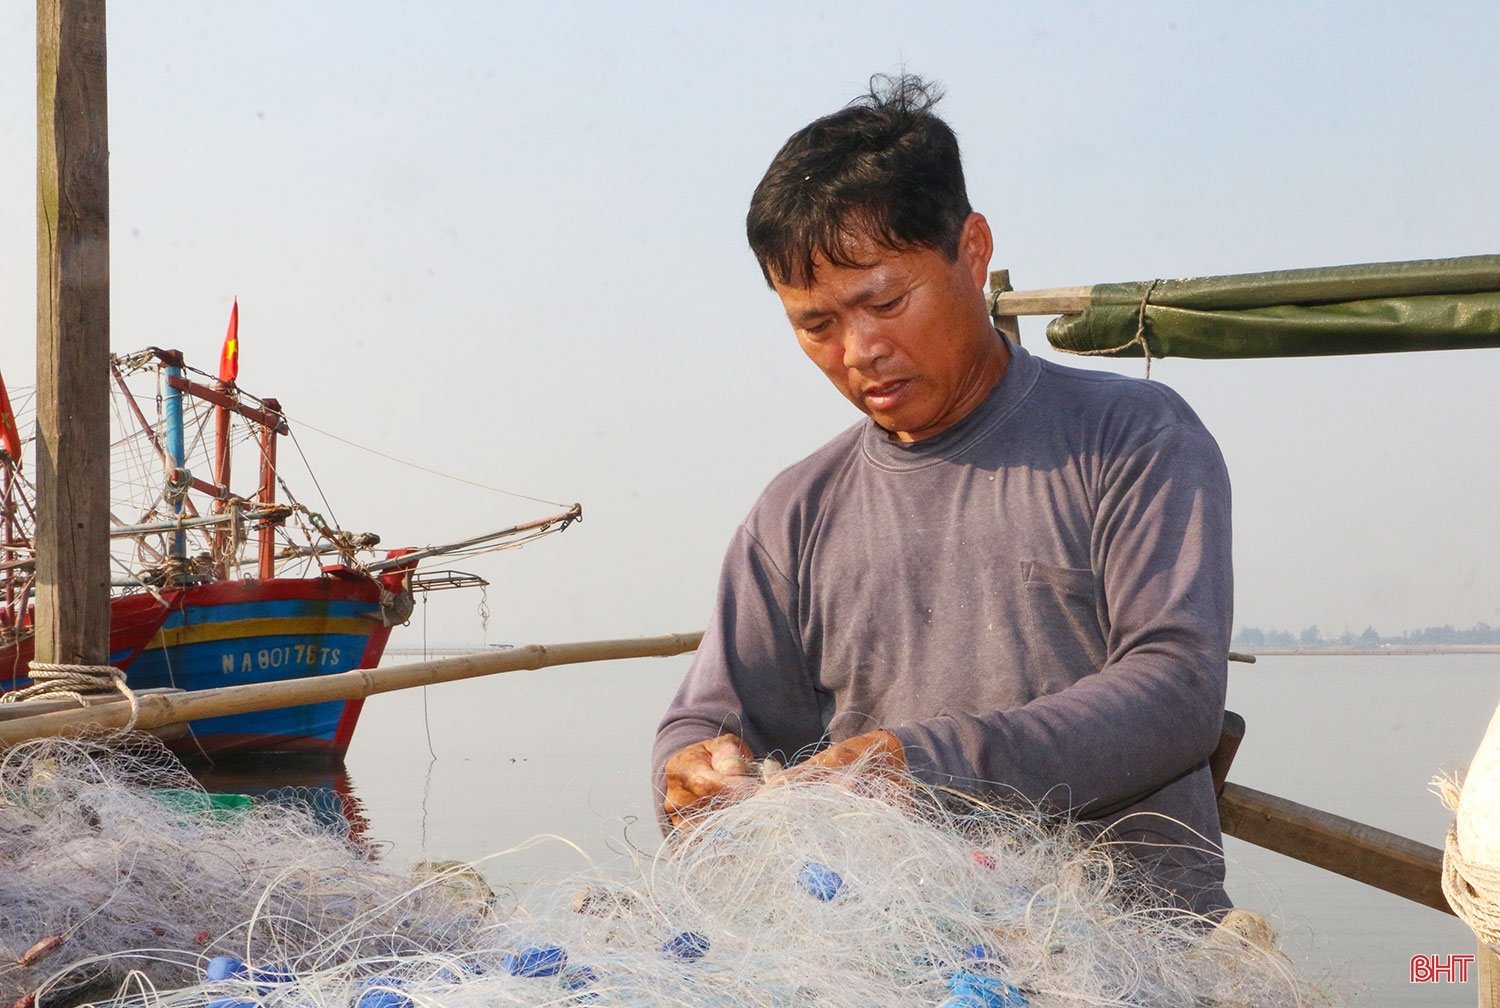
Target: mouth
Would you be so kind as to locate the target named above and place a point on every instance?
(885, 395)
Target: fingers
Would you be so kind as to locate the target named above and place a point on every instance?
(728, 755)
(696, 775)
(878, 753)
(880, 748)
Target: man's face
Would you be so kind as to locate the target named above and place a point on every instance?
(905, 338)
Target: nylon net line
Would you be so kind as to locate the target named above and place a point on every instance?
(126, 885)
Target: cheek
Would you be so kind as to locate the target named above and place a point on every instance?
(828, 357)
(830, 361)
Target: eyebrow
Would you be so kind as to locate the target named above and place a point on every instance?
(863, 296)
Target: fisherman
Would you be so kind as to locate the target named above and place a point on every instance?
(1013, 577)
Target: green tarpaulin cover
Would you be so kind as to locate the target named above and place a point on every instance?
(1433, 304)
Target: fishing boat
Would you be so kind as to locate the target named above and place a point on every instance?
(213, 587)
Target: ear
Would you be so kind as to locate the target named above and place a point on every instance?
(975, 247)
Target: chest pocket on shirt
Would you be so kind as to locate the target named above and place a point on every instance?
(1060, 608)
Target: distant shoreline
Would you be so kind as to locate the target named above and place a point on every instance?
(1393, 649)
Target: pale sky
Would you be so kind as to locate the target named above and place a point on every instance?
(505, 241)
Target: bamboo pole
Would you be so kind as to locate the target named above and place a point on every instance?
(1375, 857)
(157, 710)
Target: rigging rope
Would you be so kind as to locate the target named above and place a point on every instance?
(425, 469)
(312, 475)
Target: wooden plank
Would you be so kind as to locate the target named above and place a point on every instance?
(157, 710)
(72, 323)
(1387, 861)
(1046, 301)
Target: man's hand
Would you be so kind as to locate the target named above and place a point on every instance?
(878, 752)
(707, 771)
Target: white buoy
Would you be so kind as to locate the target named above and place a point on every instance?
(1471, 859)
(1478, 811)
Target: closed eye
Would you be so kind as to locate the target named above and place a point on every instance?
(890, 305)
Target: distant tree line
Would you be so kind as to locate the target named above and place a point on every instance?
(1251, 638)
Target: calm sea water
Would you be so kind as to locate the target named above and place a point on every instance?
(481, 769)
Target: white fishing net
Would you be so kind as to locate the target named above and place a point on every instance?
(113, 859)
(838, 893)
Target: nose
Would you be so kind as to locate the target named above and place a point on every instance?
(864, 345)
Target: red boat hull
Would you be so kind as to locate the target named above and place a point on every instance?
(230, 633)
(134, 620)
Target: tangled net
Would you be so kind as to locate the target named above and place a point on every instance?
(113, 859)
(846, 892)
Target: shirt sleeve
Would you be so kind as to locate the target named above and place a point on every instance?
(749, 676)
(1160, 551)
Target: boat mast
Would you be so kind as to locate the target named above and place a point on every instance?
(10, 616)
(268, 434)
(72, 442)
(224, 535)
(178, 478)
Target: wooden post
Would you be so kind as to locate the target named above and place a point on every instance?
(1487, 972)
(1230, 737)
(1008, 324)
(72, 334)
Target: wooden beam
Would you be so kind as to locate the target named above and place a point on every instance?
(72, 334)
(223, 400)
(1387, 861)
(1047, 301)
(160, 709)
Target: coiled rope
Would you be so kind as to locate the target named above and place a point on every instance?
(56, 680)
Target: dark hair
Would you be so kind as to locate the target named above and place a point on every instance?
(883, 167)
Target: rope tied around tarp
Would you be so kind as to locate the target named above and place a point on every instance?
(1140, 333)
(57, 680)
(1472, 888)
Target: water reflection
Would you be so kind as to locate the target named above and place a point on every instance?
(304, 782)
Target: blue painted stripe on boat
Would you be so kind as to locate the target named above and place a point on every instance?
(268, 608)
(270, 658)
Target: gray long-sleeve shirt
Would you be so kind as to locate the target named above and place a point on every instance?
(1036, 601)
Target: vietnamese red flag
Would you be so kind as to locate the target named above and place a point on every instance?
(10, 437)
(229, 358)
